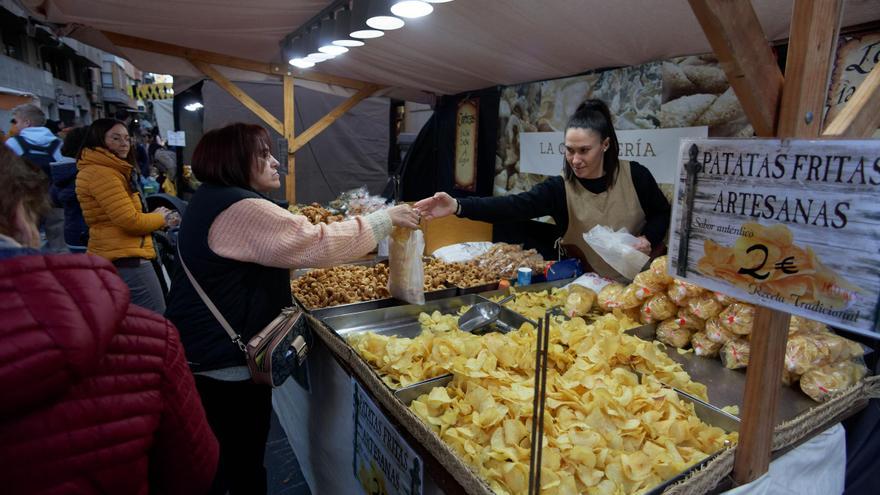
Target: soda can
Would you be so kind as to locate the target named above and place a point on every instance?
(524, 276)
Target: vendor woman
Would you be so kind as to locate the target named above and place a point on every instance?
(596, 188)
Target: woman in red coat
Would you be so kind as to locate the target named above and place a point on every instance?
(96, 393)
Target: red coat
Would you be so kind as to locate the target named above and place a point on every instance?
(95, 394)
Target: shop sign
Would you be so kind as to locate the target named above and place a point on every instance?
(176, 138)
(383, 462)
(467, 118)
(856, 58)
(793, 225)
(656, 149)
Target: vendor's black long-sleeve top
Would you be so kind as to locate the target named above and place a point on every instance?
(549, 198)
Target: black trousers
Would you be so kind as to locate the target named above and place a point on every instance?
(240, 414)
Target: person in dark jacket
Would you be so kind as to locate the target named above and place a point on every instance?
(76, 232)
(97, 397)
(596, 188)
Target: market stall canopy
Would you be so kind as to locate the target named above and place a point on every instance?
(462, 46)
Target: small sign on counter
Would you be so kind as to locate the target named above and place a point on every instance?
(793, 225)
(383, 462)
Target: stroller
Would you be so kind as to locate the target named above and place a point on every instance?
(165, 241)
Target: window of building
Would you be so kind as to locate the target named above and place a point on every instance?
(107, 74)
(13, 46)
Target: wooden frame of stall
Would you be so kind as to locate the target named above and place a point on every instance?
(789, 106)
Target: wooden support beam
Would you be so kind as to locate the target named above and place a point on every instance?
(289, 134)
(331, 117)
(126, 41)
(736, 36)
(813, 42)
(860, 117)
(236, 92)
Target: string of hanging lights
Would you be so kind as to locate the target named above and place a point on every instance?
(347, 24)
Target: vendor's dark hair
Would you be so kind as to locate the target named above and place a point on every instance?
(595, 116)
(73, 141)
(226, 156)
(95, 137)
(24, 183)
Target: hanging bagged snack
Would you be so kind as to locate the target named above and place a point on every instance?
(609, 297)
(820, 383)
(717, 333)
(738, 318)
(670, 332)
(660, 268)
(658, 308)
(406, 278)
(703, 346)
(681, 291)
(690, 321)
(580, 300)
(704, 306)
(735, 354)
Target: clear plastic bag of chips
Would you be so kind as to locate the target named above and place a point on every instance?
(822, 382)
(724, 299)
(660, 268)
(735, 354)
(580, 300)
(609, 297)
(690, 321)
(704, 306)
(652, 283)
(737, 318)
(630, 297)
(671, 332)
(803, 325)
(717, 333)
(703, 346)
(805, 351)
(681, 291)
(658, 308)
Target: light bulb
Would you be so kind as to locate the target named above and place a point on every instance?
(333, 49)
(366, 34)
(301, 63)
(385, 22)
(411, 9)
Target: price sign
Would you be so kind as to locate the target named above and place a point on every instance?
(793, 225)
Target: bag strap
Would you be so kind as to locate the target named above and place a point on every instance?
(236, 338)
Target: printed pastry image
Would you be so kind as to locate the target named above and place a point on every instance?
(771, 261)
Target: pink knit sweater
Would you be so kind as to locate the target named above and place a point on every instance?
(257, 231)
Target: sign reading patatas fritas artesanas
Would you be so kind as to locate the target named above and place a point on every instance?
(793, 225)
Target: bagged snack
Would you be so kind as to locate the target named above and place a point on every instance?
(580, 301)
(704, 306)
(717, 333)
(801, 354)
(406, 279)
(672, 333)
(658, 308)
(803, 325)
(835, 348)
(820, 383)
(690, 321)
(735, 354)
(724, 299)
(660, 268)
(805, 351)
(681, 291)
(609, 297)
(629, 298)
(651, 282)
(703, 346)
(788, 377)
(738, 318)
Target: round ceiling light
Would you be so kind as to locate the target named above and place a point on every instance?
(385, 22)
(319, 57)
(301, 63)
(348, 43)
(366, 34)
(438, 1)
(333, 49)
(411, 9)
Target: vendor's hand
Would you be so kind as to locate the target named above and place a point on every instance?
(404, 216)
(437, 206)
(172, 219)
(643, 245)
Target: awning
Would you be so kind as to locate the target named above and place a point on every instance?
(11, 98)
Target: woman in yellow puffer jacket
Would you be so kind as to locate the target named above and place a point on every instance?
(119, 229)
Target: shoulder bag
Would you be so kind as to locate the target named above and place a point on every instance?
(275, 352)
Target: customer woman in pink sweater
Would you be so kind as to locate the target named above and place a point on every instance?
(240, 247)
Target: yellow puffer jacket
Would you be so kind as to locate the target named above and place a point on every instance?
(118, 226)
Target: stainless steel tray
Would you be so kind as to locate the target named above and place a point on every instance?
(403, 321)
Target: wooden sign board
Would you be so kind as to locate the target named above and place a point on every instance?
(467, 119)
(793, 225)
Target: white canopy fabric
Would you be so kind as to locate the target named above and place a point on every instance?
(464, 45)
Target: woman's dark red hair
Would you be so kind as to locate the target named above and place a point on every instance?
(226, 156)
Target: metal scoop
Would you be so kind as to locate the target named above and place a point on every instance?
(481, 314)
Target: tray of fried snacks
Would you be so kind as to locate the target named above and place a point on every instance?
(613, 425)
(352, 288)
(502, 260)
(316, 213)
(467, 276)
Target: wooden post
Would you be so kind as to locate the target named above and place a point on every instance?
(736, 36)
(239, 95)
(334, 114)
(861, 115)
(813, 39)
(289, 134)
